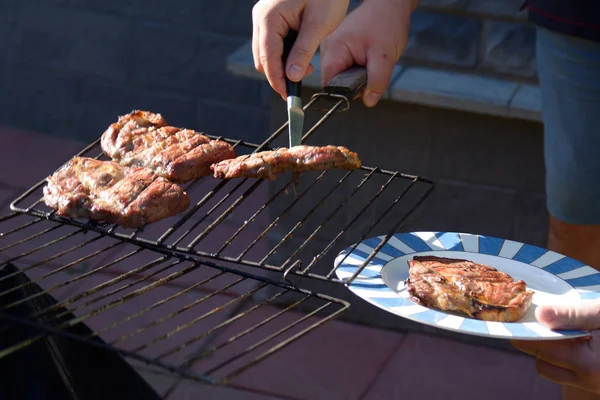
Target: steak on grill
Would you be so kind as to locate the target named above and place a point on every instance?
(268, 164)
(144, 139)
(477, 290)
(109, 192)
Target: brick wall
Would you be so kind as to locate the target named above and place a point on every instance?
(68, 67)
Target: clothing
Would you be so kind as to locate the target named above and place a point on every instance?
(579, 18)
(569, 74)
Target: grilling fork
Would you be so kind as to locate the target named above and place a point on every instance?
(294, 103)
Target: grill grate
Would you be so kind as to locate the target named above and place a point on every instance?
(197, 320)
(295, 233)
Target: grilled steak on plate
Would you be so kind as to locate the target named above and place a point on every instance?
(144, 139)
(109, 192)
(478, 290)
(267, 164)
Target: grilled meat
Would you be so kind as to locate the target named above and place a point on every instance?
(267, 164)
(144, 139)
(107, 191)
(478, 290)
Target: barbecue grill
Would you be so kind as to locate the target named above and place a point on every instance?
(60, 274)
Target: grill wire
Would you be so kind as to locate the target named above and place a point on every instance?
(297, 234)
(197, 320)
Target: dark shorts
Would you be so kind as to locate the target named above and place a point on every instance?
(569, 73)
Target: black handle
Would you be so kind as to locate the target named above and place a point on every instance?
(349, 83)
(293, 88)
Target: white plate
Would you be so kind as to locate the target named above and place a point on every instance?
(555, 279)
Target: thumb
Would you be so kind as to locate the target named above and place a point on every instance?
(310, 34)
(585, 316)
(380, 66)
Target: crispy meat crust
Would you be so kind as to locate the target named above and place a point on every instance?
(109, 192)
(144, 139)
(477, 290)
(268, 164)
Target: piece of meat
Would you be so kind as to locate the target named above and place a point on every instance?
(268, 164)
(477, 290)
(144, 139)
(109, 192)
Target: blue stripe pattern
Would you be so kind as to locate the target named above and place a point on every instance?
(450, 241)
(430, 316)
(563, 265)
(490, 245)
(362, 256)
(518, 329)
(388, 302)
(583, 281)
(387, 249)
(528, 253)
(414, 242)
(473, 325)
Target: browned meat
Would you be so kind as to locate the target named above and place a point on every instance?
(106, 191)
(144, 139)
(267, 164)
(478, 290)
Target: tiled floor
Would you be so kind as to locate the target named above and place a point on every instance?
(336, 361)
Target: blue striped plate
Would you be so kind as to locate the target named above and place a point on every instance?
(555, 279)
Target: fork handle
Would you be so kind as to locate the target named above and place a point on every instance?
(293, 88)
(349, 83)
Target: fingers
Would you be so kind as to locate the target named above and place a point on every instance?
(584, 316)
(565, 353)
(256, 48)
(555, 374)
(336, 57)
(310, 35)
(271, 51)
(380, 66)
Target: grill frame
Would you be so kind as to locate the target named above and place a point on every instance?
(289, 267)
(42, 320)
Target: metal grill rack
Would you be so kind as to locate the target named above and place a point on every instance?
(294, 233)
(198, 320)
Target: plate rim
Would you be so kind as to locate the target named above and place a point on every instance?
(356, 288)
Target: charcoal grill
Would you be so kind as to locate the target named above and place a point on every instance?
(128, 286)
(224, 213)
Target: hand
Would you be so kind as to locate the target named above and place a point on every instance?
(373, 35)
(574, 363)
(272, 19)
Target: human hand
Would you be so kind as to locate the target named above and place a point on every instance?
(574, 363)
(373, 35)
(271, 21)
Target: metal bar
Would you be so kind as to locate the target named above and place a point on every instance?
(106, 284)
(191, 360)
(43, 247)
(367, 233)
(296, 200)
(383, 242)
(326, 221)
(330, 245)
(200, 318)
(69, 265)
(265, 340)
(285, 343)
(224, 215)
(251, 219)
(306, 216)
(174, 314)
(50, 330)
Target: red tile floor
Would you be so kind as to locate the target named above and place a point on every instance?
(339, 360)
